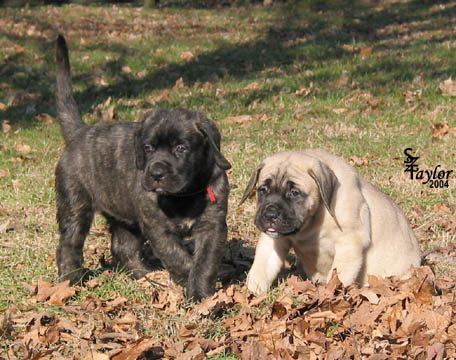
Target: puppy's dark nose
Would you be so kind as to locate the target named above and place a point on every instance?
(158, 172)
(271, 212)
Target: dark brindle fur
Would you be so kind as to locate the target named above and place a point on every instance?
(149, 180)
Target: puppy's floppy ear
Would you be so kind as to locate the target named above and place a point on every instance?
(326, 181)
(210, 132)
(139, 150)
(252, 183)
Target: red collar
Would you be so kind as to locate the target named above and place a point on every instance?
(211, 194)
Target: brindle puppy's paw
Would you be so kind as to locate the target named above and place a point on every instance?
(197, 294)
(78, 277)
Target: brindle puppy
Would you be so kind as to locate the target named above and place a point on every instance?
(156, 182)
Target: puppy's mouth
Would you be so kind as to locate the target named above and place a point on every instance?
(278, 227)
(152, 186)
(274, 221)
(174, 191)
(163, 187)
(161, 190)
(274, 233)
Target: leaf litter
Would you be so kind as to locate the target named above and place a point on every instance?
(390, 319)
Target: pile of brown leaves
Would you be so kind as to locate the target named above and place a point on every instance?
(390, 319)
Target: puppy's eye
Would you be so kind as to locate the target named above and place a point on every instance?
(148, 148)
(180, 149)
(262, 190)
(292, 193)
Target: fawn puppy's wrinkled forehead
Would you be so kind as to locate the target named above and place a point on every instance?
(284, 169)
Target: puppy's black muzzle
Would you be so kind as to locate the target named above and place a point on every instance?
(271, 213)
(159, 177)
(271, 217)
(274, 219)
(158, 172)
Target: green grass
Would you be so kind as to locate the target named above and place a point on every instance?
(247, 61)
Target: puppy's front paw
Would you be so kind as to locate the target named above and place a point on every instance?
(257, 282)
(79, 276)
(197, 294)
(346, 276)
(197, 289)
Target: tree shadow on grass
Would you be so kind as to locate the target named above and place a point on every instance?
(304, 33)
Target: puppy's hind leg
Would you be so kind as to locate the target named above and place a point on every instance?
(127, 247)
(74, 216)
(348, 260)
(350, 248)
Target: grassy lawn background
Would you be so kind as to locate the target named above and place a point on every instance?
(360, 79)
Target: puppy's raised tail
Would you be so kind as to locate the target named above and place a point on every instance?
(67, 110)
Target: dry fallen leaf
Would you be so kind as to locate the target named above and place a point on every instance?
(195, 354)
(16, 184)
(4, 173)
(163, 96)
(339, 110)
(239, 119)
(92, 283)
(365, 52)
(436, 351)
(439, 129)
(126, 69)
(356, 160)
(374, 103)
(452, 331)
(102, 82)
(413, 108)
(6, 127)
(370, 295)
(179, 84)
(107, 102)
(442, 208)
(187, 56)
(142, 74)
(23, 149)
(109, 114)
(317, 337)
(342, 81)
(413, 96)
(187, 330)
(96, 355)
(52, 335)
(349, 48)
(448, 87)
(304, 91)
(118, 301)
(253, 86)
(45, 118)
(448, 224)
(55, 295)
(300, 286)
